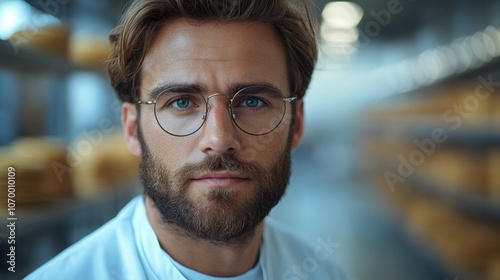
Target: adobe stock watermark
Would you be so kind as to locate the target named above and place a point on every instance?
(454, 117)
(11, 218)
(34, 24)
(323, 251)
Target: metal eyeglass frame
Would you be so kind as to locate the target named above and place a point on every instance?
(231, 113)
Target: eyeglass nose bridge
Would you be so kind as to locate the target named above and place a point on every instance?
(233, 116)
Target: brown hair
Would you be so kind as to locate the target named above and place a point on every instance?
(132, 38)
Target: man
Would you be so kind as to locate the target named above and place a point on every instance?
(212, 103)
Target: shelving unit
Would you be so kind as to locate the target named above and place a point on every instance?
(453, 223)
(42, 231)
(36, 87)
(417, 188)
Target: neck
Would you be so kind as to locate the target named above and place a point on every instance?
(219, 259)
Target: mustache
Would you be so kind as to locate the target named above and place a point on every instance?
(219, 163)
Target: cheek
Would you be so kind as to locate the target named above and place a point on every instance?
(164, 148)
(171, 153)
(266, 148)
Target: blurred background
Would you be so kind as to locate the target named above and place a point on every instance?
(399, 166)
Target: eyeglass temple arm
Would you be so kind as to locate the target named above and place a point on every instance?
(147, 102)
(290, 99)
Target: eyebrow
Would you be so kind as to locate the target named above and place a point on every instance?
(176, 87)
(196, 88)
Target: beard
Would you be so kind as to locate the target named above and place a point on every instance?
(225, 215)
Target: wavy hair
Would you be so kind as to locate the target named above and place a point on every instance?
(140, 22)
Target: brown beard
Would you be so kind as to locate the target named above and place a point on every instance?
(222, 219)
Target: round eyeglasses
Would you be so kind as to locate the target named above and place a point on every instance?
(256, 110)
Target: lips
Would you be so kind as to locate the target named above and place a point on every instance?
(220, 179)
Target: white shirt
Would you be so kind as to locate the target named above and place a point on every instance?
(253, 274)
(127, 248)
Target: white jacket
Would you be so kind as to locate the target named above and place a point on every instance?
(127, 248)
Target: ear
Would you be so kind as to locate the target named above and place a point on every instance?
(298, 126)
(129, 123)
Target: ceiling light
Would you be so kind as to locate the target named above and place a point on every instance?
(342, 14)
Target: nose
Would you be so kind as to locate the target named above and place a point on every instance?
(219, 135)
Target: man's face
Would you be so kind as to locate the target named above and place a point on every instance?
(218, 183)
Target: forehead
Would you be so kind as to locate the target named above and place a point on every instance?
(215, 55)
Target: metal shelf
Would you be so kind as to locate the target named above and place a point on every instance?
(469, 203)
(466, 202)
(484, 137)
(29, 60)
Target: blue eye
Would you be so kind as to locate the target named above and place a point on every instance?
(181, 103)
(253, 102)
